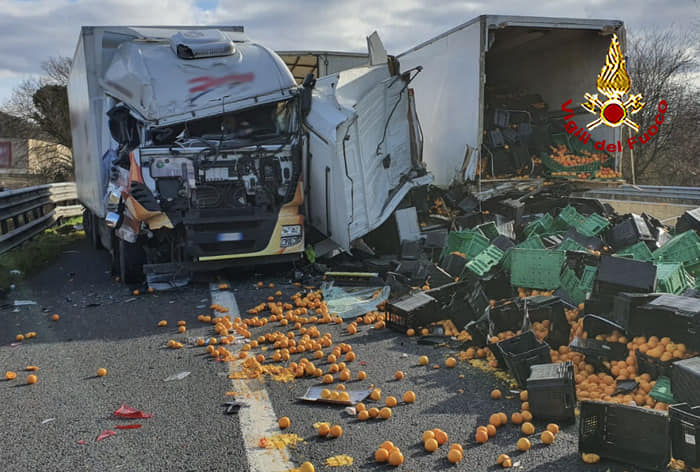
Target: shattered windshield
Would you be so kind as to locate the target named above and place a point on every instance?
(261, 123)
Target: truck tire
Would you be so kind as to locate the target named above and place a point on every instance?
(131, 260)
(91, 232)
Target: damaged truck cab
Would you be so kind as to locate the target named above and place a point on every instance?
(196, 147)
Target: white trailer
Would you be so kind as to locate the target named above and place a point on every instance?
(557, 58)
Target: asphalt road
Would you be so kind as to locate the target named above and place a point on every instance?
(188, 430)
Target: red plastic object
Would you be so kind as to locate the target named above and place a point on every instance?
(105, 435)
(125, 411)
(82, 441)
(128, 426)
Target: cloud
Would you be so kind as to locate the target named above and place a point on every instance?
(33, 30)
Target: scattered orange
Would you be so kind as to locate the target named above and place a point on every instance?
(396, 457)
(135, 292)
(451, 362)
(503, 417)
(363, 415)
(553, 428)
(429, 434)
(324, 429)
(376, 394)
(19, 337)
(336, 431)
(381, 455)
(101, 372)
(516, 418)
(590, 458)
(527, 428)
(523, 396)
(440, 437)
(361, 375)
(409, 397)
(55, 317)
(525, 406)
(507, 463)
(423, 360)
(495, 419)
(307, 467)
(10, 375)
(431, 445)
(547, 437)
(523, 444)
(457, 446)
(284, 422)
(454, 456)
(399, 375)
(491, 430)
(181, 329)
(527, 416)
(481, 436)
(425, 331)
(327, 379)
(496, 394)
(385, 413)
(373, 412)
(410, 332)
(391, 401)
(31, 379)
(502, 458)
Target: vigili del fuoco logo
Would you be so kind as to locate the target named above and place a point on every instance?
(613, 83)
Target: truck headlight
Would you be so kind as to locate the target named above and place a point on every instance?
(290, 241)
(291, 230)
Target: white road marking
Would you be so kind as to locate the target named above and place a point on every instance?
(257, 417)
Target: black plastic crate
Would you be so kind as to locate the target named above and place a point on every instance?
(620, 274)
(462, 301)
(507, 315)
(652, 366)
(522, 351)
(595, 325)
(623, 433)
(628, 232)
(590, 242)
(551, 391)
(412, 311)
(689, 220)
(669, 315)
(454, 264)
(600, 350)
(479, 331)
(685, 380)
(685, 433)
(626, 303)
(540, 308)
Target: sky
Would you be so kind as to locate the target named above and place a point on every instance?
(33, 30)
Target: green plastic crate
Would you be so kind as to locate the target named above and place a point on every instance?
(540, 225)
(671, 277)
(533, 242)
(593, 225)
(489, 230)
(468, 242)
(485, 261)
(662, 391)
(536, 268)
(576, 289)
(588, 277)
(683, 248)
(638, 251)
(568, 217)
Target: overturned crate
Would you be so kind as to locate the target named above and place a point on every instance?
(551, 392)
(412, 311)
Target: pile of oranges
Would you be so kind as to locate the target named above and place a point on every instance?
(607, 173)
(562, 155)
(388, 452)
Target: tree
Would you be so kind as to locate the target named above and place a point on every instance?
(661, 66)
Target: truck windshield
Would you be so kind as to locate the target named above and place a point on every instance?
(262, 123)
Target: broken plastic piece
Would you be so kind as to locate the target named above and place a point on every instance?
(82, 441)
(128, 426)
(178, 376)
(105, 435)
(48, 420)
(125, 411)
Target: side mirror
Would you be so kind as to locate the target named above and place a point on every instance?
(307, 87)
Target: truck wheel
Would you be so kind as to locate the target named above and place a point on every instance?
(131, 260)
(91, 232)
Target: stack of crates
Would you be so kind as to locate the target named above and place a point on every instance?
(551, 392)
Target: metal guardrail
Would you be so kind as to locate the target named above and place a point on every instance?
(649, 193)
(26, 212)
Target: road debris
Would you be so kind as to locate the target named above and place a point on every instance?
(178, 376)
(105, 434)
(128, 412)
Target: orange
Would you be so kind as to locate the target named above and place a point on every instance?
(441, 437)
(200, 342)
(425, 331)
(435, 366)
(376, 394)
(491, 430)
(428, 435)
(323, 430)
(391, 401)
(495, 419)
(381, 455)
(55, 317)
(410, 332)
(396, 458)
(527, 416)
(502, 458)
(388, 445)
(135, 292)
(525, 406)
(481, 436)
(328, 378)
(523, 396)
(344, 375)
(350, 356)
(361, 375)
(344, 397)
(31, 368)
(527, 428)
(182, 329)
(547, 437)
(385, 413)
(590, 458)
(507, 463)
(523, 444)
(31, 379)
(409, 397)
(373, 412)
(284, 422)
(451, 362)
(19, 337)
(336, 431)
(101, 372)
(10, 375)
(307, 467)
(503, 417)
(457, 446)
(360, 407)
(454, 456)
(363, 415)
(496, 394)
(151, 290)
(553, 428)
(431, 445)
(516, 418)
(423, 360)
(398, 375)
